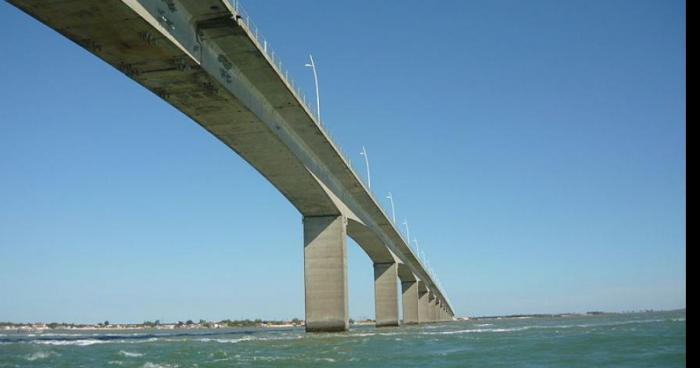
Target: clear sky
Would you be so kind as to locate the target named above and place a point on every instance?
(537, 150)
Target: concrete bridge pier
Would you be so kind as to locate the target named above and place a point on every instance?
(436, 310)
(409, 292)
(428, 309)
(423, 305)
(432, 307)
(326, 273)
(386, 300)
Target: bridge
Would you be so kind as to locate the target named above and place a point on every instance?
(206, 58)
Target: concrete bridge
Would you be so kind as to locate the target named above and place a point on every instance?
(205, 59)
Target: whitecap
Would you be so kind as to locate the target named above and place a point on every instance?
(226, 341)
(86, 342)
(156, 365)
(523, 328)
(38, 355)
(476, 330)
(130, 354)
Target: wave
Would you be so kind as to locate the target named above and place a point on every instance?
(39, 355)
(81, 342)
(523, 328)
(130, 354)
(475, 330)
(362, 334)
(91, 339)
(156, 365)
(227, 341)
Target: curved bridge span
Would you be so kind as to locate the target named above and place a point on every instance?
(202, 57)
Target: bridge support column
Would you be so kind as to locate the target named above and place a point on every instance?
(432, 308)
(386, 294)
(423, 306)
(437, 310)
(409, 292)
(326, 273)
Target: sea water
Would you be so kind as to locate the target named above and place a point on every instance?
(653, 339)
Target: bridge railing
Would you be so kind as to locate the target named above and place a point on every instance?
(276, 62)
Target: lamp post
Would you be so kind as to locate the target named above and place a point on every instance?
(393, 210)
(312, 65)
(369, 177)
(417, 247)
(408, 233)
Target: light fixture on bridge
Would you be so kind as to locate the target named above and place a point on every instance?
(408, 233)
(369, 176)
(393, 210)
(312, 65)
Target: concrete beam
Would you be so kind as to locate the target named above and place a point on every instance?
(386, 300)
(369, 242)
(326, 273)
(405, 273)
(409, 292)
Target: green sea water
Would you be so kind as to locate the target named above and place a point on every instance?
(655, 339)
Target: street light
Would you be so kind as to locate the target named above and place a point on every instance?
(369, 178)
(408, 233)
(312, 65)
(393, 210)
(417, 247)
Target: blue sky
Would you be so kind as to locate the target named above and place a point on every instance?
(537, 150)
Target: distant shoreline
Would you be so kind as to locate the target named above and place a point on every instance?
(202, 325)
(262, 324)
